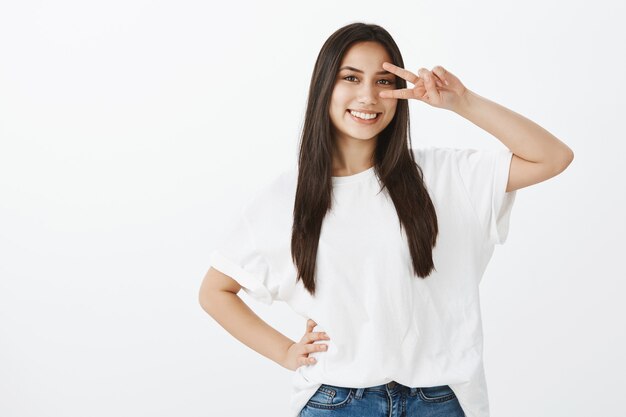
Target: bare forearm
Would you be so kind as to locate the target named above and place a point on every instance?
(246, 326)
(522, 136)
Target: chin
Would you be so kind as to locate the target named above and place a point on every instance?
(365, 137)
(359, 135)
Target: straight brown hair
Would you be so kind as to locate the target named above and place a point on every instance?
(394, 163)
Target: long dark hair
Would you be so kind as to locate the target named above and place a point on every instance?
(393, 162)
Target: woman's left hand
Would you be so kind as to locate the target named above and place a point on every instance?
(439, 87)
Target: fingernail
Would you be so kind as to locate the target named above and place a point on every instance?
(446, 81)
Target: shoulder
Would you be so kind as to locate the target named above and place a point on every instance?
(438, 157)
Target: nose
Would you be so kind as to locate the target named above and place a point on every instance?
(368, 94)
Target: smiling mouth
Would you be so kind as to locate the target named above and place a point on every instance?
(358, 115)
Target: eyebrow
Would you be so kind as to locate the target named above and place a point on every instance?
(358, 70)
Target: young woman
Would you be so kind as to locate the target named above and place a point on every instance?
(379, 245)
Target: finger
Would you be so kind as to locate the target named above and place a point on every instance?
(310, 324)
(429, 83)
(441, 74)
(402, 93)
(315, 347)
(401, 72)
(436, 79)
(305, 361)
(312, 337)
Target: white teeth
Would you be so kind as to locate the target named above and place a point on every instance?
(365, 116)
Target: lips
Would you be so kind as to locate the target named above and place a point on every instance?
(364, 121)
(365, 111)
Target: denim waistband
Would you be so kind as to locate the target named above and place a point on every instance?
(392, 387)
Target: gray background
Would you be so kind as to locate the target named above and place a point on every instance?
(131, 131)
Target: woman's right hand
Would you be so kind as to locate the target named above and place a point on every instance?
(298, 353)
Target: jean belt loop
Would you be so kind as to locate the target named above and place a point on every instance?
(359, 393)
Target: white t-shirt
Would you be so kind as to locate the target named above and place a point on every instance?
(384, 323)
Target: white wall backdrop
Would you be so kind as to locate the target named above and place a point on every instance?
(131, 131)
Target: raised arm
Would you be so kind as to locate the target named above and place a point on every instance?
(537, 154)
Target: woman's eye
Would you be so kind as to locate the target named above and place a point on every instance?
(386, 82)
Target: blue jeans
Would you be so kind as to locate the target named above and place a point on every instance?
(387, 400)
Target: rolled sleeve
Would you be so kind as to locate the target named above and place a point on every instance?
(502, 201)
(239, 257)
(485, 175)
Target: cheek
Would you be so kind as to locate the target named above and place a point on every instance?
(392, 111)
(340, 97)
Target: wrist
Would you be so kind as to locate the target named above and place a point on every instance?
(464, 102)
(285, 356)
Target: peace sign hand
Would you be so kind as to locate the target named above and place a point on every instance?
(439, 88)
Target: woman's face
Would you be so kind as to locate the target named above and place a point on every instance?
(357, 89)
